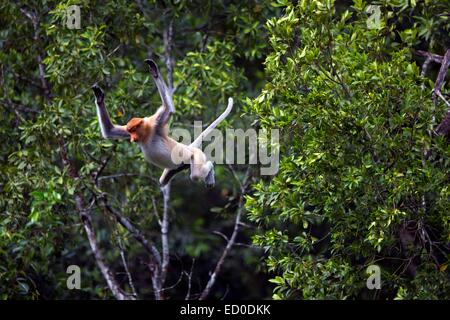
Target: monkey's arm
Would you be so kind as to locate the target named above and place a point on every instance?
(109, 130)
(164, 92)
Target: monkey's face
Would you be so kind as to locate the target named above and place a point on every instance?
(134, 128)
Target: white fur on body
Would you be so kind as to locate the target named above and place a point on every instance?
(156, 150)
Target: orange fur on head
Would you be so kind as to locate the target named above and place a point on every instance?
(139, 129)
(133, 128)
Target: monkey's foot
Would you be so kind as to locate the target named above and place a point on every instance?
(209, 180)
(167, 174)
(99, 95)
(153, 67)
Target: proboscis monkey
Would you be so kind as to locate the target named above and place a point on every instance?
(151, 134)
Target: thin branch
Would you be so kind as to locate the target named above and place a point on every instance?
(424, 69)
(155, 211)
(18, 107)
(164, 223)
(125, 174)
(118, 175)
(164, 233)
(217, 269)
(430, 56)
(188, 294)
(127, 271)
(100, 169)
(444, 127)
(85, 216)
(442, 72)
(136, 233)
(154, 270)
(220, 234)
(232, 239)
(175, 284)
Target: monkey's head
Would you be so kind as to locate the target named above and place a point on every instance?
(137, 130)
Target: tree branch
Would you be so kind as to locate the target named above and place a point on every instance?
(84, 212)
(189, 275)
(444, 127)
(165, 233)
(430, 56)
(127, 271)
(442, 72)
(136, 233)
(232, 239)
(85, 215)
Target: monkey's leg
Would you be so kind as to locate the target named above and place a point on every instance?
(198, 160)
(168, 174)
(209, 179)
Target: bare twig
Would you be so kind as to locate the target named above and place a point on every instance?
(232, 239)
(125, 174)
(85, 216)
(164, 233)
(212, 278)
(136, 233)
(102, 167)
(127, 271)
(175, 284)
(154, 270)
(155, 211)
(222, 235)
(444, 127)
(18, 107)
(189, 275)
(430, 56)
(442, 72)
(164, 222)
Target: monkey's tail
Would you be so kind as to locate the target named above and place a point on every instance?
(197, 142)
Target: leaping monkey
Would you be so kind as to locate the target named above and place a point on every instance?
(151, 134)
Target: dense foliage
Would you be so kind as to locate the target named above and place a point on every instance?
(217, 49)
(363, 177)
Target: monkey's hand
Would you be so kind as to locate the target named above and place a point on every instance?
(99, 95)
(153, 68)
